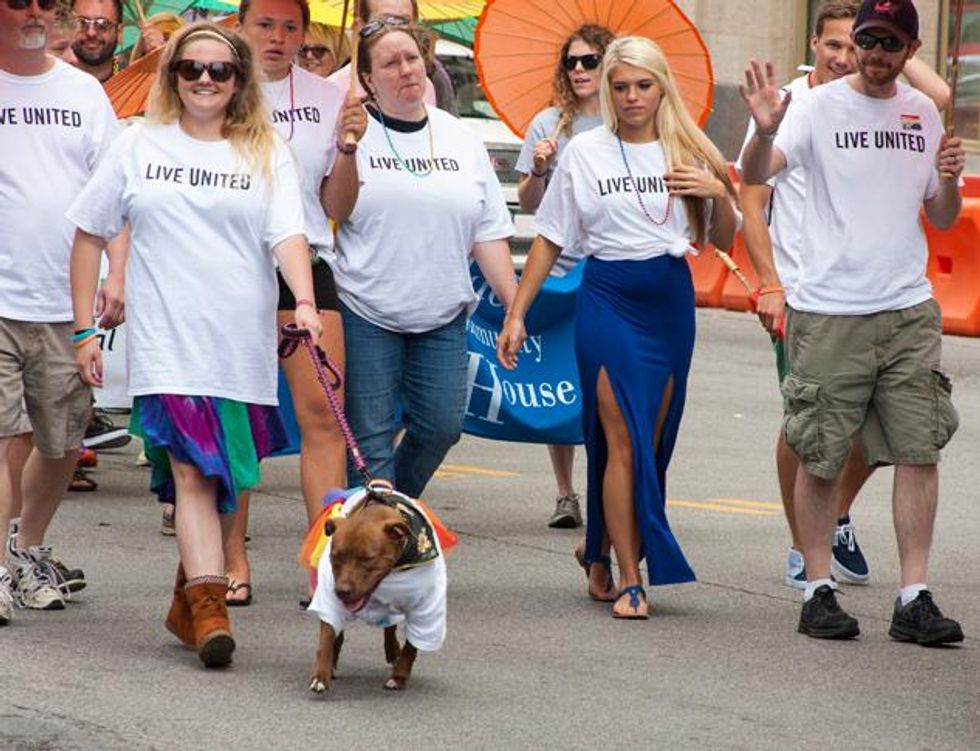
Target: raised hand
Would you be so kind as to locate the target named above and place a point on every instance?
(767, 105)
(544, 154)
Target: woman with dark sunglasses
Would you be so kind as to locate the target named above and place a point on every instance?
(576, 109)
(212, 196)
(317, 54)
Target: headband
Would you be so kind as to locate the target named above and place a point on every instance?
(211, 35)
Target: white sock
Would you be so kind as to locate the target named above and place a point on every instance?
(909, 593)
(813, 586)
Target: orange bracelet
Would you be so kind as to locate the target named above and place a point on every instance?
(769, 290)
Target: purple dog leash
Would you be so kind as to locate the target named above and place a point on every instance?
(291, 338)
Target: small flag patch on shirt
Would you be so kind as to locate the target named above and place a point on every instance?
(911, 122)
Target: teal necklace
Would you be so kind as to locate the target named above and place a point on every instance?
(398, 157)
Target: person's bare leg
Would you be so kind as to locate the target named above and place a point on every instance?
(816, 520)
(199, 527)
(787, 464)
(852, 478)
(6, 495)
(17, 453)
(562, 464)
(915, 496)
(323, 453)
(44, 484)
(234, 531)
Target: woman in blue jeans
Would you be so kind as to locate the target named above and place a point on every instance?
(425, 201)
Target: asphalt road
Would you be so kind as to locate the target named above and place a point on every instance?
(530, 661)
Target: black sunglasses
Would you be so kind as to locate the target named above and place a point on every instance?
(890, 43)
(22, 4)
(316, 50)
(191, 70)
(589, 62)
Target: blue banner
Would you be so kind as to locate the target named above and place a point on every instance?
(540, 401)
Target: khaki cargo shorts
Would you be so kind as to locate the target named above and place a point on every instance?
(874, 376)
(38, 376)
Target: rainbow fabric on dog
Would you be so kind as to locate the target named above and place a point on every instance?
(420, 519)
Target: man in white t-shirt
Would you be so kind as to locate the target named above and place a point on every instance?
(772, 232)
(864, 333)
(55, 124)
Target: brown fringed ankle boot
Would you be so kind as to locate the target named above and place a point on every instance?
(209, 611)
(179, 621)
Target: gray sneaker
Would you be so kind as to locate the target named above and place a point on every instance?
(567, 514)
(6, 597)
(36, 589)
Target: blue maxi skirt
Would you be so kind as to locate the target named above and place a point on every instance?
(636, 320)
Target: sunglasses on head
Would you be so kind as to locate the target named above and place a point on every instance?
(383, 22)
(22, 4)
(313, 50)
(589, 62)
(192, 70)
(890, 43)
(100, 25)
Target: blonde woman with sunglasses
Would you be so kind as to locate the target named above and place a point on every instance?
(212, 196)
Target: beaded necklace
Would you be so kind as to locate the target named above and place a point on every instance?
(636, 191)
(398, 157)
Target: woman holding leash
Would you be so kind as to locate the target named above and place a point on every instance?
(212, 196)
(576, 110)
(304, 110)
(427, 200)
(635, 195)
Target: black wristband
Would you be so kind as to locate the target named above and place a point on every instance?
(539, 174)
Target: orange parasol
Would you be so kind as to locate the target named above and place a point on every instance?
(518, 42)
(129, 89)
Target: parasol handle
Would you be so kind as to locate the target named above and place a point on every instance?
(733, 267)
(954, 69)
(139, 11)
(349, 138)
(539, 163)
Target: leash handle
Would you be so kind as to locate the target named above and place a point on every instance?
(292, 336)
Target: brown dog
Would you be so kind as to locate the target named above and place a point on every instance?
(383, 566)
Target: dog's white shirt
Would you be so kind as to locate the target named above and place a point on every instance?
(416, 596)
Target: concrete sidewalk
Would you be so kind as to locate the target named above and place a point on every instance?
(530, 661)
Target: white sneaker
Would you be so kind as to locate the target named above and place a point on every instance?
(6, 597)
(36, 589)
(795, 571)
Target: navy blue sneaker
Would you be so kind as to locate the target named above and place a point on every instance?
(795, 575)
(847, 561)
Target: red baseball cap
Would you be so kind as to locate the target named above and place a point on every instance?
(897, 16)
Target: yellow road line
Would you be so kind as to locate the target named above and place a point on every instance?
(721, 507)
(750, 504)
(447, 470)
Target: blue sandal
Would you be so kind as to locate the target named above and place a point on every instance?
(634, 591)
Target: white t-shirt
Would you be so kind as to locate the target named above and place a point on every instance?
(54, 128)
(403, 255)
(306, 117)
(788, 202)
(416, 596)
(201, 290)
(592, 202)
(870, 164)
(543, 126)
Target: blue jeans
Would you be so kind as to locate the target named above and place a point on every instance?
(426, 374)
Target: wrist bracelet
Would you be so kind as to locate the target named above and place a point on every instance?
(768, 137)
(82, 342)
(347, 148)
(306, 302)
(539, 174)
(769, 290)
(81, 334)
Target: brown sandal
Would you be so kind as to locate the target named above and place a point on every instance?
(81, 482)
(611, 591)
(233, 588)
